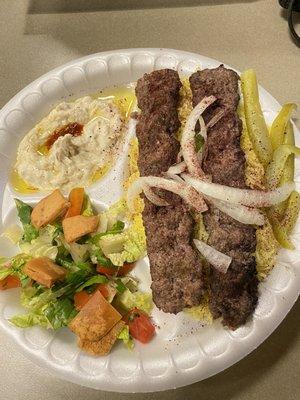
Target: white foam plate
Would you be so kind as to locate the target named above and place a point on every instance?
(182, 352)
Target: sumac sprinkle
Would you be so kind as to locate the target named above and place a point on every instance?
(73, 129)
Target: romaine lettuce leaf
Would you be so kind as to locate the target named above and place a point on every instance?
(41, 246)
(125, 336)
(30, 319)
(121, 288)
(111, 244)
(35, 297)
(96, 279)
(59, 313)
(79, 252)
(76, 277)
(97, 257)
(116, 212)
(4, 272)
(55, 315)
(87, 208)
(64, 258)
(140, 300)
(5, 269)
(134, 246)
(17, 263)
(118, 227)
(24, 213)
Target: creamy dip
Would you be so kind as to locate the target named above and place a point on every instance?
(49, 157)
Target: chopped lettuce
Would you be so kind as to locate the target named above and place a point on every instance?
(140, 300)
(42, 246)
(97, 257)
(96, 279)
(4, 273)
(71, 254)
(50, 308)
(59, 313)
(115, 229)
(134, 243)
(130, 282)
(17, 263)
(115, 213)
(24, 213)
(64, 257)
(76, 277)
(78, 273)
(30, 233)
(35, 297)
(121, 288)
(30, 319)
(5, 269)
(112, 243)
(13, 233)
(87, 208)
(125, 336)
(55, 314)
(56, 231)
(79, 252)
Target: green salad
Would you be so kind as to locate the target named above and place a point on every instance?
(73, 259)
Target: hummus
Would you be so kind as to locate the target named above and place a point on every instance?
(48, 159)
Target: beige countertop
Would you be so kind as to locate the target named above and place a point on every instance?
(39, 35)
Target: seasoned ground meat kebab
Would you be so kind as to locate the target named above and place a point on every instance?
(233, 295)
(174, 264)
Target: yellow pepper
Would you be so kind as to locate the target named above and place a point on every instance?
(278, 230)
(289, 168)
(276, 167)
(278, 129)
(282, 229)
(255, 121)
(291, 213)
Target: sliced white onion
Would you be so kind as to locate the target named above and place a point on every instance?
(188, 137)
(246, 197)
(203, 130)
(243, 214)
(177, 168)
(216, 118)
(175, 178)
(186, 192)
(179, 156)
(217, 259)
(154, 198)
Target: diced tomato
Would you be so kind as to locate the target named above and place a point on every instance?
(81, 298)
(76, 198)
(104, 290)
(112, 271)
(125, 269)
(108, 271)
(140, 325)
(10, 282)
